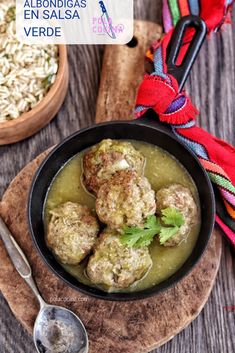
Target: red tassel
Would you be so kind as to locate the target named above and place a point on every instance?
(181, 116)
(156, 93)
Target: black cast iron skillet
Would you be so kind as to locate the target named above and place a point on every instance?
(146, 129)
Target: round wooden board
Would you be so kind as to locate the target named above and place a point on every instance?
(130, 327)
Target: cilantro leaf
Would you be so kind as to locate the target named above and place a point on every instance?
(171, 216)
(140, 237)
(166, 233)
(166, 226)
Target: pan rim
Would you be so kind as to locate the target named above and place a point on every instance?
(131, 296)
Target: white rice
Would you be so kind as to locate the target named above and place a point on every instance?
(26, 71)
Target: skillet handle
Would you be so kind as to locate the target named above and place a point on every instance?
(181, 72)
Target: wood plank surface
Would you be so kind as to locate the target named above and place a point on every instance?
(212, 88)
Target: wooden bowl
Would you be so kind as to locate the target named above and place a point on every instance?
(35, 119)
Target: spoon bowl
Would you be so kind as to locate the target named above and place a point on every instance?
(59, 330)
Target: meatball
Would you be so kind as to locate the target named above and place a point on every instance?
(127, 199)
(115, 265)
(179, 197)
(72, 232)
(108, 157)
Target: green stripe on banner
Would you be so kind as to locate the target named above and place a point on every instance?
(226, 184)
(175, 12)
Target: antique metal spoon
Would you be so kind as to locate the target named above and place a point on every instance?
(56, 329)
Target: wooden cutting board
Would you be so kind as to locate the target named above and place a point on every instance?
(131, 327)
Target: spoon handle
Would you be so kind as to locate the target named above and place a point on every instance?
(19, 260)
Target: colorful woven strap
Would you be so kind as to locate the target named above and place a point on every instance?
(160, 92)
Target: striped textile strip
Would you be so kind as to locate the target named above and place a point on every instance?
(226, 229)
(174, 9)
(194, 7)
(195, 146)
(225, 183)
(215, 172)
(210, 166)
(184, 8)
(230, 210)
(229, 196)
(158, 65)
(168, 24)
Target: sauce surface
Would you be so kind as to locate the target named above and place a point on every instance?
(161, 170)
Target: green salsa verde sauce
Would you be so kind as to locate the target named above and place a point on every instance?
(161, 169)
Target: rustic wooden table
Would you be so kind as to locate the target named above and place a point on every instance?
(212, 89)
